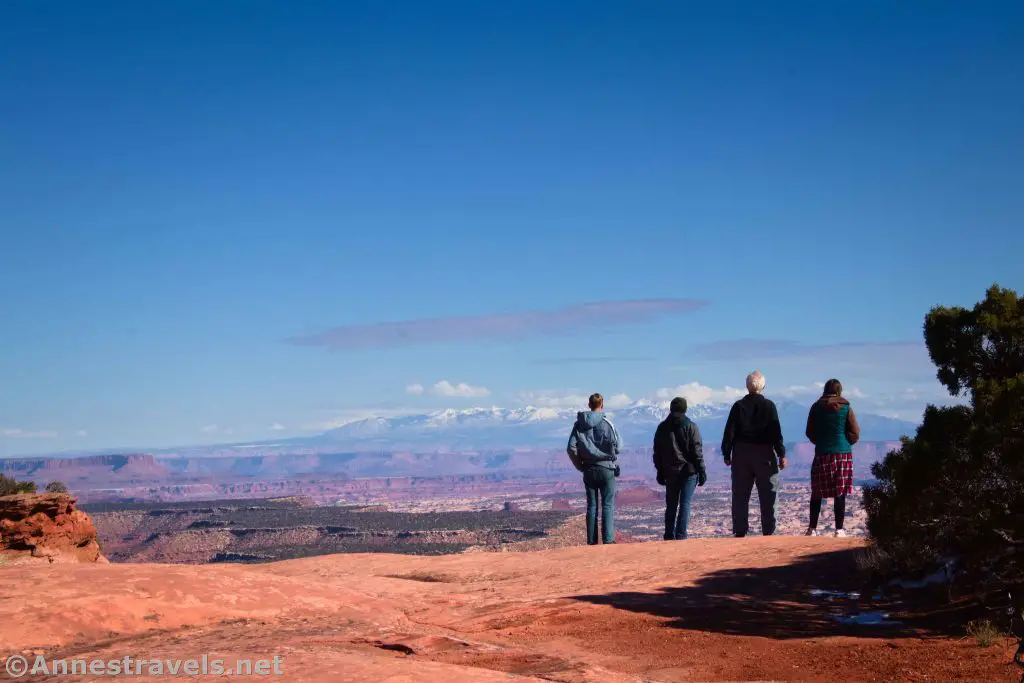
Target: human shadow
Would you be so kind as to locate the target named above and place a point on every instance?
(806, 599)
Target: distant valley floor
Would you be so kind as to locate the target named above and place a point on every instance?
(266, 530)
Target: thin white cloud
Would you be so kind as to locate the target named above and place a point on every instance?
(214, 429)
(81, 432)
(18, 433)
(551, 399)
(572, 398)
(696, 393)
(617, 401)
(414, 389)
(277, 427)
(460, 390)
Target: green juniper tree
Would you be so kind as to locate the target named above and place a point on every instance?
(957, 488)
(10, 486)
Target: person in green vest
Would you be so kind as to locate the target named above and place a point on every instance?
(832, 428)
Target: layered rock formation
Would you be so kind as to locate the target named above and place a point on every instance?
(46, 527)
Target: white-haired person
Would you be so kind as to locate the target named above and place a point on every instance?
(752, 446)
(833, 429)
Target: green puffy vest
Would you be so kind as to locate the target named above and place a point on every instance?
(830, 429)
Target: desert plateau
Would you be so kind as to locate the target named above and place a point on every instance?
(531, 342)
(753, 609)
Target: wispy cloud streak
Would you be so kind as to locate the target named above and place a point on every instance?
(738, 349)
(18, 433)
(594, 360)
(511, 326)
(906, 359)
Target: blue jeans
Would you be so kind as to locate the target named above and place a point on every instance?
(678, 496)
(600, 482)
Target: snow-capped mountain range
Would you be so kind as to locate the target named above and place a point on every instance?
(545, 427)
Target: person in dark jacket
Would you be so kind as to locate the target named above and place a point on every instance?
(594, 446)
(833, 429)
(679, 463)
(752, 445)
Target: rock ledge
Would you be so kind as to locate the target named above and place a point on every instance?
(47, 526)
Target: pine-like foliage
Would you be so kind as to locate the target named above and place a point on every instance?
(10, 486)
(957, 488)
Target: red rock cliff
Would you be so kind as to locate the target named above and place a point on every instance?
(35, 527)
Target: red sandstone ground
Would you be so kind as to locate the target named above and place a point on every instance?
(700, 610)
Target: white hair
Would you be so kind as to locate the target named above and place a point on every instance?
(755, 382)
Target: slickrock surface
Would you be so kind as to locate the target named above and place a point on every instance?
(45, 528)
(699, 610)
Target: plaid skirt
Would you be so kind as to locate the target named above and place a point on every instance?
(831, 475)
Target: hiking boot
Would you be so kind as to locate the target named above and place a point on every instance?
(840, 533)
(811, 532)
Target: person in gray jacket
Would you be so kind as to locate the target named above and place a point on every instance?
(752, 445)
(594, 446)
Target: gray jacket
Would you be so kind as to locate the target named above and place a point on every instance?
(594, 441)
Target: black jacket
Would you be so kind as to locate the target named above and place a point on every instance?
(677, 446)
(753, 419)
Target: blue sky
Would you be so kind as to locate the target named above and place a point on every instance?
(226, 221)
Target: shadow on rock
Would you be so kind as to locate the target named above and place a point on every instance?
(810, 598)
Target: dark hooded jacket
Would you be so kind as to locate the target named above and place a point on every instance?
(753, 419)
(678, 449)
(594, 441)
(831, 425)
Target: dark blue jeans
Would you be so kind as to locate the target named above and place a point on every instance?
(600, 483)
(678, 496)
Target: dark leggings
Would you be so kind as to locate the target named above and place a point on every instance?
(840, 505)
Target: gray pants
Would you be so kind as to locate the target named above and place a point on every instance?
(754, 464)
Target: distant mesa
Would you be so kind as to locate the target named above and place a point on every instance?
(462, 450)
(121, 466)
(561, 504)
(46, 528)
(638, 496)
